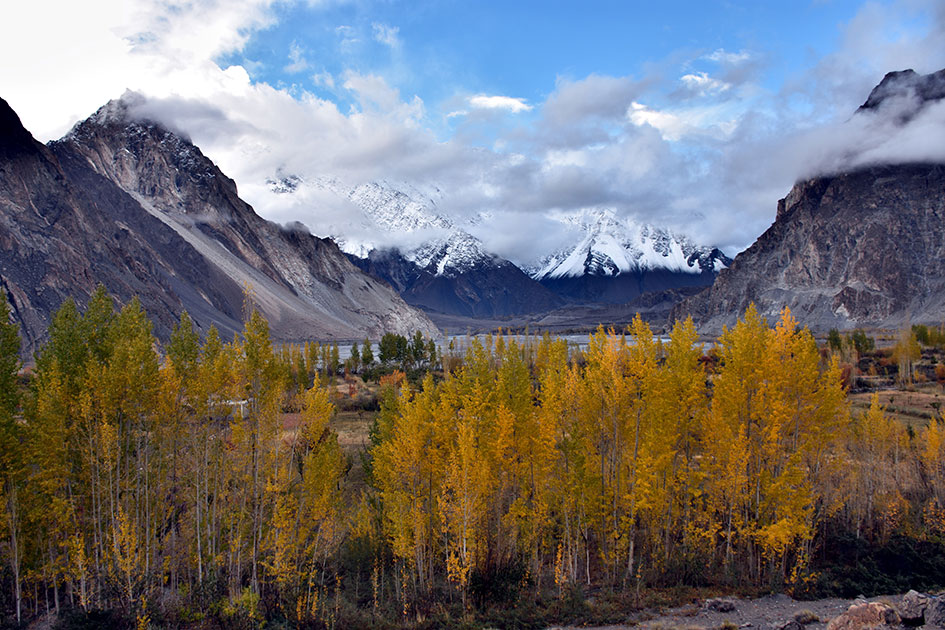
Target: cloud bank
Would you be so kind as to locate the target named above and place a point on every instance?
(702, 147)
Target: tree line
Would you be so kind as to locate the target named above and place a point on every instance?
(167, 486)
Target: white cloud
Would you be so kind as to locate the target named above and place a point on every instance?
(669, 125)
(385, 34)
(348, 35)
(723, 56)
(712, 167)
(702, 84)
(323, 79)
(514, 105)
(94, 51)
(297, 59)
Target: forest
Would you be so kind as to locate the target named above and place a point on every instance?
(149, 486)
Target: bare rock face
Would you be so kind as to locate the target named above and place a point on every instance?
(921, 88)
(129, 204)
(860, 248)
(865, 616)
(492, 287)
(935, 612)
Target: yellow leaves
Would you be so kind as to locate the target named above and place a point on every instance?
(126, 552)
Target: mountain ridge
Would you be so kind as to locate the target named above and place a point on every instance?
(859, 247)
(132, 205)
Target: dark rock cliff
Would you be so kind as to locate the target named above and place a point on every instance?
(858, 248)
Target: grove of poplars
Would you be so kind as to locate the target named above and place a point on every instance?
(130, 471)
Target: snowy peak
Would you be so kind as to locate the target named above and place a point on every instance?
(400, 208)
(458, 253)
(397, 215)
(611, 245)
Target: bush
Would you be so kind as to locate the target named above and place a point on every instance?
(853, 566)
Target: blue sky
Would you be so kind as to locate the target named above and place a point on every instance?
(522, 47)
(697, 116)
(440, 50)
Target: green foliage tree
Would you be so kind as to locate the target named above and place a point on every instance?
(367, 354)
(834, 340)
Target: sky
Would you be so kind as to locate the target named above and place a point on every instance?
(693, 115)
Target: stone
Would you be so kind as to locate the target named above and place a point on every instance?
(805, 617)
(868, 616)
(912, 608)
(720, 604)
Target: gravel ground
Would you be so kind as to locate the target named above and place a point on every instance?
(766, 613)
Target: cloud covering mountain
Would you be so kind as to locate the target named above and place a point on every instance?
(699, 140)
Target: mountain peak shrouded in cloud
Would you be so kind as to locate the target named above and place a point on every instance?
(902, 121)
(856, 243)
(924, 88)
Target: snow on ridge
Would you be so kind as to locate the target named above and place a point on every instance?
(610, 246)
(428, 238)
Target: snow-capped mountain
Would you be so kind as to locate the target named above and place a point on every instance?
(397, 232)
(402, 213)
(615, 259)
(611, 246)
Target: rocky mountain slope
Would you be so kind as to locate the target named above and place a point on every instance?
(131, 205)
(617, 260)
(857, 248)
(441, 267)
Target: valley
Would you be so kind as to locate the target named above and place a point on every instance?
(378, 315)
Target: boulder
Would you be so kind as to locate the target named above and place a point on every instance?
(912, 608)
(866, 616)
(720, 604)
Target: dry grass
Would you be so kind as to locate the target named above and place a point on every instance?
(913, 406)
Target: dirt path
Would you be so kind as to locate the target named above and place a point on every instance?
(766, 613)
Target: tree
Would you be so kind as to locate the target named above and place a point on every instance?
(861, 342)
(333, 361)
(183, 348)
(834, 340)
(906, 352)
(11, 462)
(367, 355)
(388, 348)
(355, 358)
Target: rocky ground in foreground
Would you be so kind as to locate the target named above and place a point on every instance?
(781, 612)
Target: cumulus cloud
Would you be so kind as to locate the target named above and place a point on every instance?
(508, 103)
(323, 79)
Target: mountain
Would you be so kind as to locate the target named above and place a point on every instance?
(856, 248)
(127, 203)
(441, 267)
(615, 260)
(920, 89)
